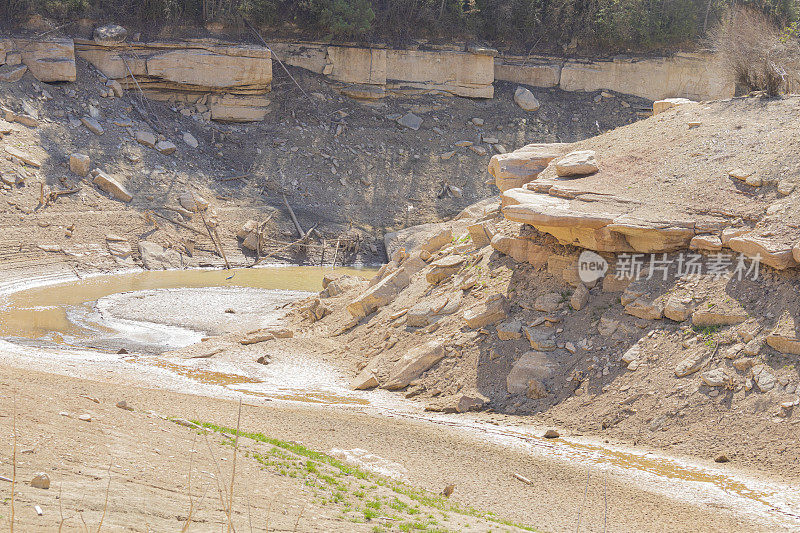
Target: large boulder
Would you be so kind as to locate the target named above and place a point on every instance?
(528, 374)
(482, 233)
(719, 315)
(413, 363)
(379, 294)
(491, 311)
(541, 339)
(365, 379)
(111, 186)
(9, 74)
(333, 285)
(515, 169)
(694, 361)
(444, 268)
(577, 163)
(659, 106)
(525, 99)
(79, 164)
(486, 207)
(156, 257)
(146, 138)
(784, 337)
(520, 249)
(410, 120)
(195, 203)
(428, 237)
(430, 310)
(110, 34)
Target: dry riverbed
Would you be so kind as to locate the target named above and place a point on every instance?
(296, 409)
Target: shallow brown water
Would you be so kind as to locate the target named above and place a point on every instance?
(39, 311)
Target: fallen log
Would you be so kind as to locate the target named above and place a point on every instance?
(220, 251)
(294, 218)
(233, 178)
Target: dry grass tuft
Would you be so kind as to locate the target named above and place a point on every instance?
(760, 56)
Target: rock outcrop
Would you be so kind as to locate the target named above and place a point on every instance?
(231, 79)
(48, 59)
(515, 169)
(661, 198)
(370, 73)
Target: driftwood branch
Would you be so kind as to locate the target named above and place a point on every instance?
(294, 218)
(336, 252)
(220, 251)
(522, 478)
(232, 178)
(298, 242)
(178, 223)
(55, 194)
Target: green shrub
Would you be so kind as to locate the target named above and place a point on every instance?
(530, 25)
(259, 11)
(344, 18)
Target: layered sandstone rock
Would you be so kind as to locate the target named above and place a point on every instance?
(48, 59)
(233, 79)
(375, 72)
(696, 76)
(413, 363)
(664, 185)
(659, 106)
(515, 169)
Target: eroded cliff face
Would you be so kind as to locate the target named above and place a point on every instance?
(233, 80)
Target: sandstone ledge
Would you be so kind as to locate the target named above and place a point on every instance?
(235, 77)
(663, 181)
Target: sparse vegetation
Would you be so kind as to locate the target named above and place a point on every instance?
(605, 25)
(333, 481)
(758, 53)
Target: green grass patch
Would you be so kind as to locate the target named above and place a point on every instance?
(288, 465)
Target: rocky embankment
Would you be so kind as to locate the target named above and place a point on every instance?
(605, 290)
